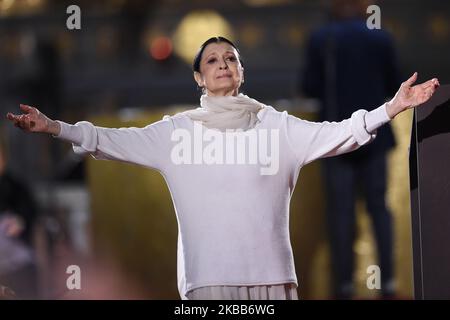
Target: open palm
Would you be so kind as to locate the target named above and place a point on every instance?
(32, 120)
(409, 96)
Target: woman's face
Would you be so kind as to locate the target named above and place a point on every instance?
(221, 72)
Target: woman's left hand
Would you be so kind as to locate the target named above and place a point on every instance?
(409, 96)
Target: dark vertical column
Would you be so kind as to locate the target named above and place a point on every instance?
(430, 196)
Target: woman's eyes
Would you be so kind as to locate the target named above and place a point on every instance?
(228, 58)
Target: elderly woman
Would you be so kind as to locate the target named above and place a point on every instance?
(233, 217)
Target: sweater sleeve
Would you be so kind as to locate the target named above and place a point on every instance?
(148, 146)
(314, 140)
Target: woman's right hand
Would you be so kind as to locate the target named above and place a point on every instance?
(34, 121)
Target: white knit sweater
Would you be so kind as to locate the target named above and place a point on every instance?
(233, 220)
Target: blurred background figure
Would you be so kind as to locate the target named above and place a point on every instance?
(348, 66)
(101, 277)
(17, 218)
(6, 293)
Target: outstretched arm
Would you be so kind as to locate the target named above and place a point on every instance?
(148, 146)
(314, 140)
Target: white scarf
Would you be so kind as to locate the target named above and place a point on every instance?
(230, 112)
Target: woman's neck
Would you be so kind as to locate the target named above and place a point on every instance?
(222, 93)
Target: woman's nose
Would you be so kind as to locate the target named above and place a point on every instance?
(223, 65)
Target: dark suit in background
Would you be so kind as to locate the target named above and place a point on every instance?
(350, 67)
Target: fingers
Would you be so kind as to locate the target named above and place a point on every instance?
(26, 109)
(426, 94)
(411, 80)
(436, 82)
(433, 83)
(10, 116)
(26, 122)
(14, 118)
(21, 121)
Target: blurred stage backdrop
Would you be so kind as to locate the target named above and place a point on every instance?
(129, 65)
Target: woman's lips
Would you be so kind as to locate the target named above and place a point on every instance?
(224, 76)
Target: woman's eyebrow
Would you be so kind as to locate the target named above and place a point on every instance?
(209, 55)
